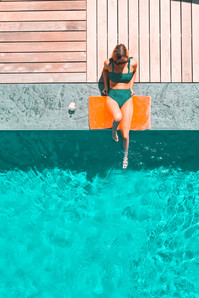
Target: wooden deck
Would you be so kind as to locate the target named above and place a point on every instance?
(68, 41)
(162, 35)
(42, 41)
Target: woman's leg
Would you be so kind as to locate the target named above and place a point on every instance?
(125, 125)
(114, 109)
(127, 113)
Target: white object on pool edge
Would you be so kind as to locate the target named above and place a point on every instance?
(72, 106)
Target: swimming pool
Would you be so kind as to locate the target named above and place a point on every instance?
(75, 224)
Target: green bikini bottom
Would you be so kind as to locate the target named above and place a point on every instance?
(120, 95)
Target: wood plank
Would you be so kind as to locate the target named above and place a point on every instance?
(144, 40)
(35, 0)
(43, 26)
(123, 22)
(42, 15)
(42, 57)
(186, 42)
(42, 5)
(42, 47)
(112, 26)
(133, 34)
(195, 34)
(42, 67)
(176, 67)
(91, 41)
(102, 46)
(42, 78)
(43, 36)
(165, 41)
(154, 42)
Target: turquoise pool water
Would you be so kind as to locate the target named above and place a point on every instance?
(73, 223)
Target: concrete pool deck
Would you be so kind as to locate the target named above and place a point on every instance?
(174, 106)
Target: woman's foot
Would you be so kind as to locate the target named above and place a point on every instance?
(114, 135)
(125, 160)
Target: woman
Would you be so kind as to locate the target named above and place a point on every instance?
(121, 70)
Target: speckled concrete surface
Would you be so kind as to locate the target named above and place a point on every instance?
(45, 106)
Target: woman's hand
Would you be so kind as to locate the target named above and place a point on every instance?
(105, 90)
(132, 92)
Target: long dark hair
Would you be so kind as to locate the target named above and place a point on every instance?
(120, 52)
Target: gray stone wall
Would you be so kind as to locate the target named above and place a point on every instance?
(174, 106)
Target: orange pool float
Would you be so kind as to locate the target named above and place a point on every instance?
(101, 118)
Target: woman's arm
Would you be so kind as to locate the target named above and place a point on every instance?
(134, 76)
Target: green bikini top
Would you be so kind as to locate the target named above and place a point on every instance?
(120, 77)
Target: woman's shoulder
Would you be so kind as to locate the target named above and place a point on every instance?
(107, 63)
(133, 63)
(132, 60)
